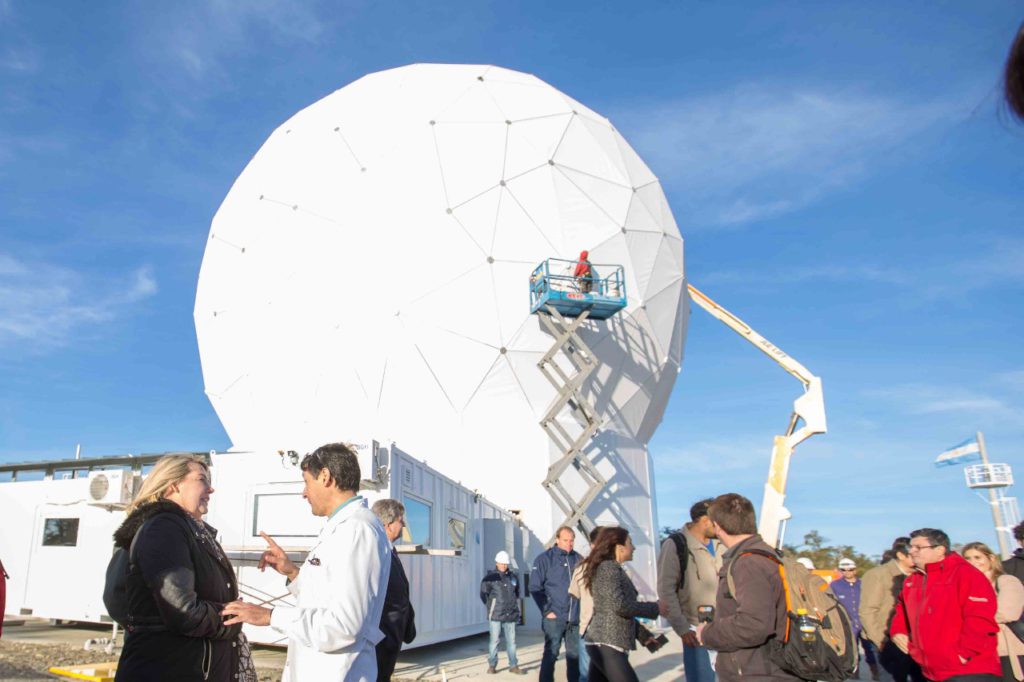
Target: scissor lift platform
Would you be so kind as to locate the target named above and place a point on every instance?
(553, 284)
(564, 302)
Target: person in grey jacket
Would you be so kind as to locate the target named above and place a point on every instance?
(611, 634)
(499, 591)
(684, 591)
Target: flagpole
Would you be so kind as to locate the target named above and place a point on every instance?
(997, 513)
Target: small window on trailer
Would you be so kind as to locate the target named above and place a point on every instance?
(418, 521)
(456, 531)
(60, 532)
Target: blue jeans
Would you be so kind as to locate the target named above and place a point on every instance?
(697, 664)
(497, 627)
(556, 630)
(584, 659)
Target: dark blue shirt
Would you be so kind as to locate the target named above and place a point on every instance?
(849, 596)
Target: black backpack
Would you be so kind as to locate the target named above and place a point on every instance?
(683, 552)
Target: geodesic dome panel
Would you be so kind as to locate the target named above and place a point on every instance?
(369, 272)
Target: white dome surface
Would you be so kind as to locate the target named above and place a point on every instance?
(368, 274)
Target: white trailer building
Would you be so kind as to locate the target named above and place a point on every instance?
(59, 541)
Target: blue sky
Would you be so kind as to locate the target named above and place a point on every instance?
(843, 174)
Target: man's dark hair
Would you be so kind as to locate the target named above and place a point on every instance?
(339, 460)
(901, 545)
(934, 536)
(594, 533)
(700, 509)
(1018, 532)
(734, 514)
(887, 556)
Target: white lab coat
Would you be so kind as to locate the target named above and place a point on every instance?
(340, 589)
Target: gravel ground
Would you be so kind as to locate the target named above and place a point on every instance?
(23, 661)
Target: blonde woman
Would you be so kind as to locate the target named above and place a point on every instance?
(169, 581)
(1009, 604)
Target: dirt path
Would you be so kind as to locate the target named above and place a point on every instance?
(24, 661)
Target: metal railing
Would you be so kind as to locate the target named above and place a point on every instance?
(988, 475)
(556, 274)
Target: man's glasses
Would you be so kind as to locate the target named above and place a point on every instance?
(847, 570)
(920, 547)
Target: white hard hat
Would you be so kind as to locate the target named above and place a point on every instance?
(502, 558)
(847, 563)
(806, 562)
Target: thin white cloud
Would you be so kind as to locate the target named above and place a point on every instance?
(1013, 379)
(999, 263)
(19, 60)
(760, 151)
(924, 399)
(43, 304)
(199, 42)
(826, 272)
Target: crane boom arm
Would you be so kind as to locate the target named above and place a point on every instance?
(743, 329)
(809, 409)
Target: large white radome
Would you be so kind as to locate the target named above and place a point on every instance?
(368, 274)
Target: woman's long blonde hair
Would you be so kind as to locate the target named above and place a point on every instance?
(167, 471)
(982, 548)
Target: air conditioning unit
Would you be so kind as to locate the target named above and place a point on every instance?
(112, 486)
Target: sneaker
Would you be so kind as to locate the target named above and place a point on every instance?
(516, 671)
(491, 670)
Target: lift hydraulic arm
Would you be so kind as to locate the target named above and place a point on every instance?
(807, 419)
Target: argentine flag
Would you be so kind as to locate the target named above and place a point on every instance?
(968, 451)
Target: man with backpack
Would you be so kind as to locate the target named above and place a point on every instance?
(754, 613)
(776, 620)
(688, 568)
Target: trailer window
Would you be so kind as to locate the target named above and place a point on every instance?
(456, 532)
(417, 522)
(284, 514)
(60, 533)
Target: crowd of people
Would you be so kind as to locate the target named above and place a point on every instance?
(925, 613)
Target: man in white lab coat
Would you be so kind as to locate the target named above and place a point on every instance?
(339, 590)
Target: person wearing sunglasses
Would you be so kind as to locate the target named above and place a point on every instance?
(847, 589)
(946, 614)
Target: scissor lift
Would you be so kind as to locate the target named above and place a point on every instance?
(564, 302)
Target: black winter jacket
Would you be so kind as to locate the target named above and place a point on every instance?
(174, 591)
(500, 593)
(398, 620)
(1015, 565)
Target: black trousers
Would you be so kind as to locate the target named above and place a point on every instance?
(974, 678)
(386, 659)
(609, 665)
(898, 664)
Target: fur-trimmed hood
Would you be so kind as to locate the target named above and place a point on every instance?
(124, 535)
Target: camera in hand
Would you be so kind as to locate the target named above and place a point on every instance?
(705, 613)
